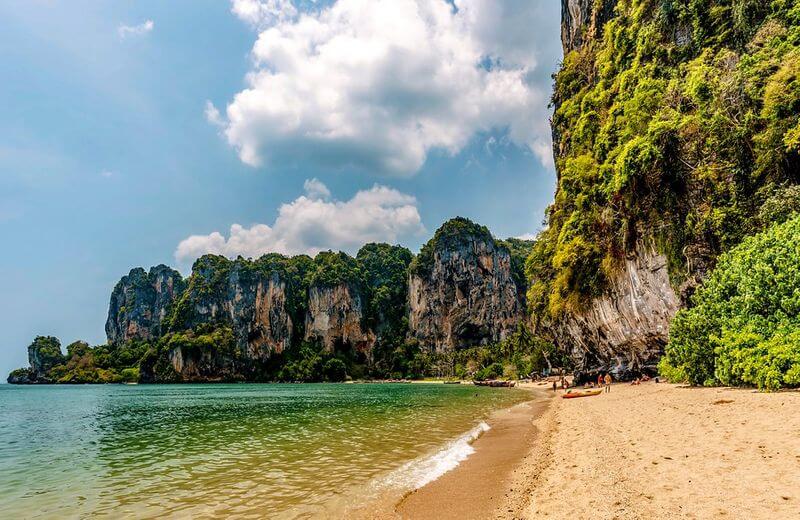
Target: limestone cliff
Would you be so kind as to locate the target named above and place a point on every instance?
(248, 297)
(43, 354)
(140, 303)
(638, 221)
(625, 330)
(581, 21)
(335, 317)
(462, 291)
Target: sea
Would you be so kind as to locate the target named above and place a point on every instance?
(230, 451)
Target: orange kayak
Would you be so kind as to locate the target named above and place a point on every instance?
(585, 393)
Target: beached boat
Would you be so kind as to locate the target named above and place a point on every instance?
(495, 384)
(584, 393)
(452, 382)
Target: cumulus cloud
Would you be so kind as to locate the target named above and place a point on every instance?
(314, 222)
(378, 84)
(315, 189)
(261, 13)
(135, 30)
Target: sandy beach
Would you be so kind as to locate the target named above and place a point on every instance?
(664, 451)
(647, 451)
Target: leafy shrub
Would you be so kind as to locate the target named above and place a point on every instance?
(492, 371)
(335, 370)
(130, 375)
(743, 327)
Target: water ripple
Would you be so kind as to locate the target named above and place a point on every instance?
(217, 450)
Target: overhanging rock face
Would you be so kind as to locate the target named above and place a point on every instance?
(624, 331)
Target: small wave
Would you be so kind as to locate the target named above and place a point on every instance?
(421, 471)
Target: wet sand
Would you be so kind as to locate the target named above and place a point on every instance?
(478, 487)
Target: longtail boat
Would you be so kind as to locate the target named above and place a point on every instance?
(495, 384)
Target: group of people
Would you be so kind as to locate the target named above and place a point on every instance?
(562, 383)
(602, 382)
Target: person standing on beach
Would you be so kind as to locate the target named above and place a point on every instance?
(608, 382)
(555, 386)
(599, 380)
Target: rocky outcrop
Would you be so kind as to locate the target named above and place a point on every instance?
(461, 291)
(624, 331)
(335, 317)
(582, 20)
(140, 303)
(249, 298)
(43, 354)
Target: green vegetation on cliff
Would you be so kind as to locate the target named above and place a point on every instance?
(335, 268)
(450, 235)
(743, 327)
(674, 126)
(520, 250)
(385, 271)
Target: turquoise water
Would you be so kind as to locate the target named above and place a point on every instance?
(222, 450)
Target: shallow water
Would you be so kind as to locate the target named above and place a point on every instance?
(226, 450)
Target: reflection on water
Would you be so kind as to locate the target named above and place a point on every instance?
(217, 450)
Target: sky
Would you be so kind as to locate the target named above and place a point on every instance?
(143, 132)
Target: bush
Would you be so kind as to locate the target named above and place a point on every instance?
(492, 371)
(334, 370)
(130, 375)
(743, 327)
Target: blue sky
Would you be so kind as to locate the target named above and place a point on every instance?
(120, 139)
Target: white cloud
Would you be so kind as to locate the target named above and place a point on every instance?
(107, 174)
(212, 115)
(135, 30)
(313, 223)
(262, 13)
(315, 189)
(378, 84)
(527, 236)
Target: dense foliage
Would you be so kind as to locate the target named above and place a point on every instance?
(744, 324)
(82, 363)
(673, 128)
(335, 268)
(45, 353)
(385, 271)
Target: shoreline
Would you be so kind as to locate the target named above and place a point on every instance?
(647, 451)
(478, 487)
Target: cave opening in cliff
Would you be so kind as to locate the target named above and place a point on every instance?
(355, 359)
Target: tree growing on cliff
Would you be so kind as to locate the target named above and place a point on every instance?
(743, 327)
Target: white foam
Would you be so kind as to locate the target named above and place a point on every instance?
(421, 471)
